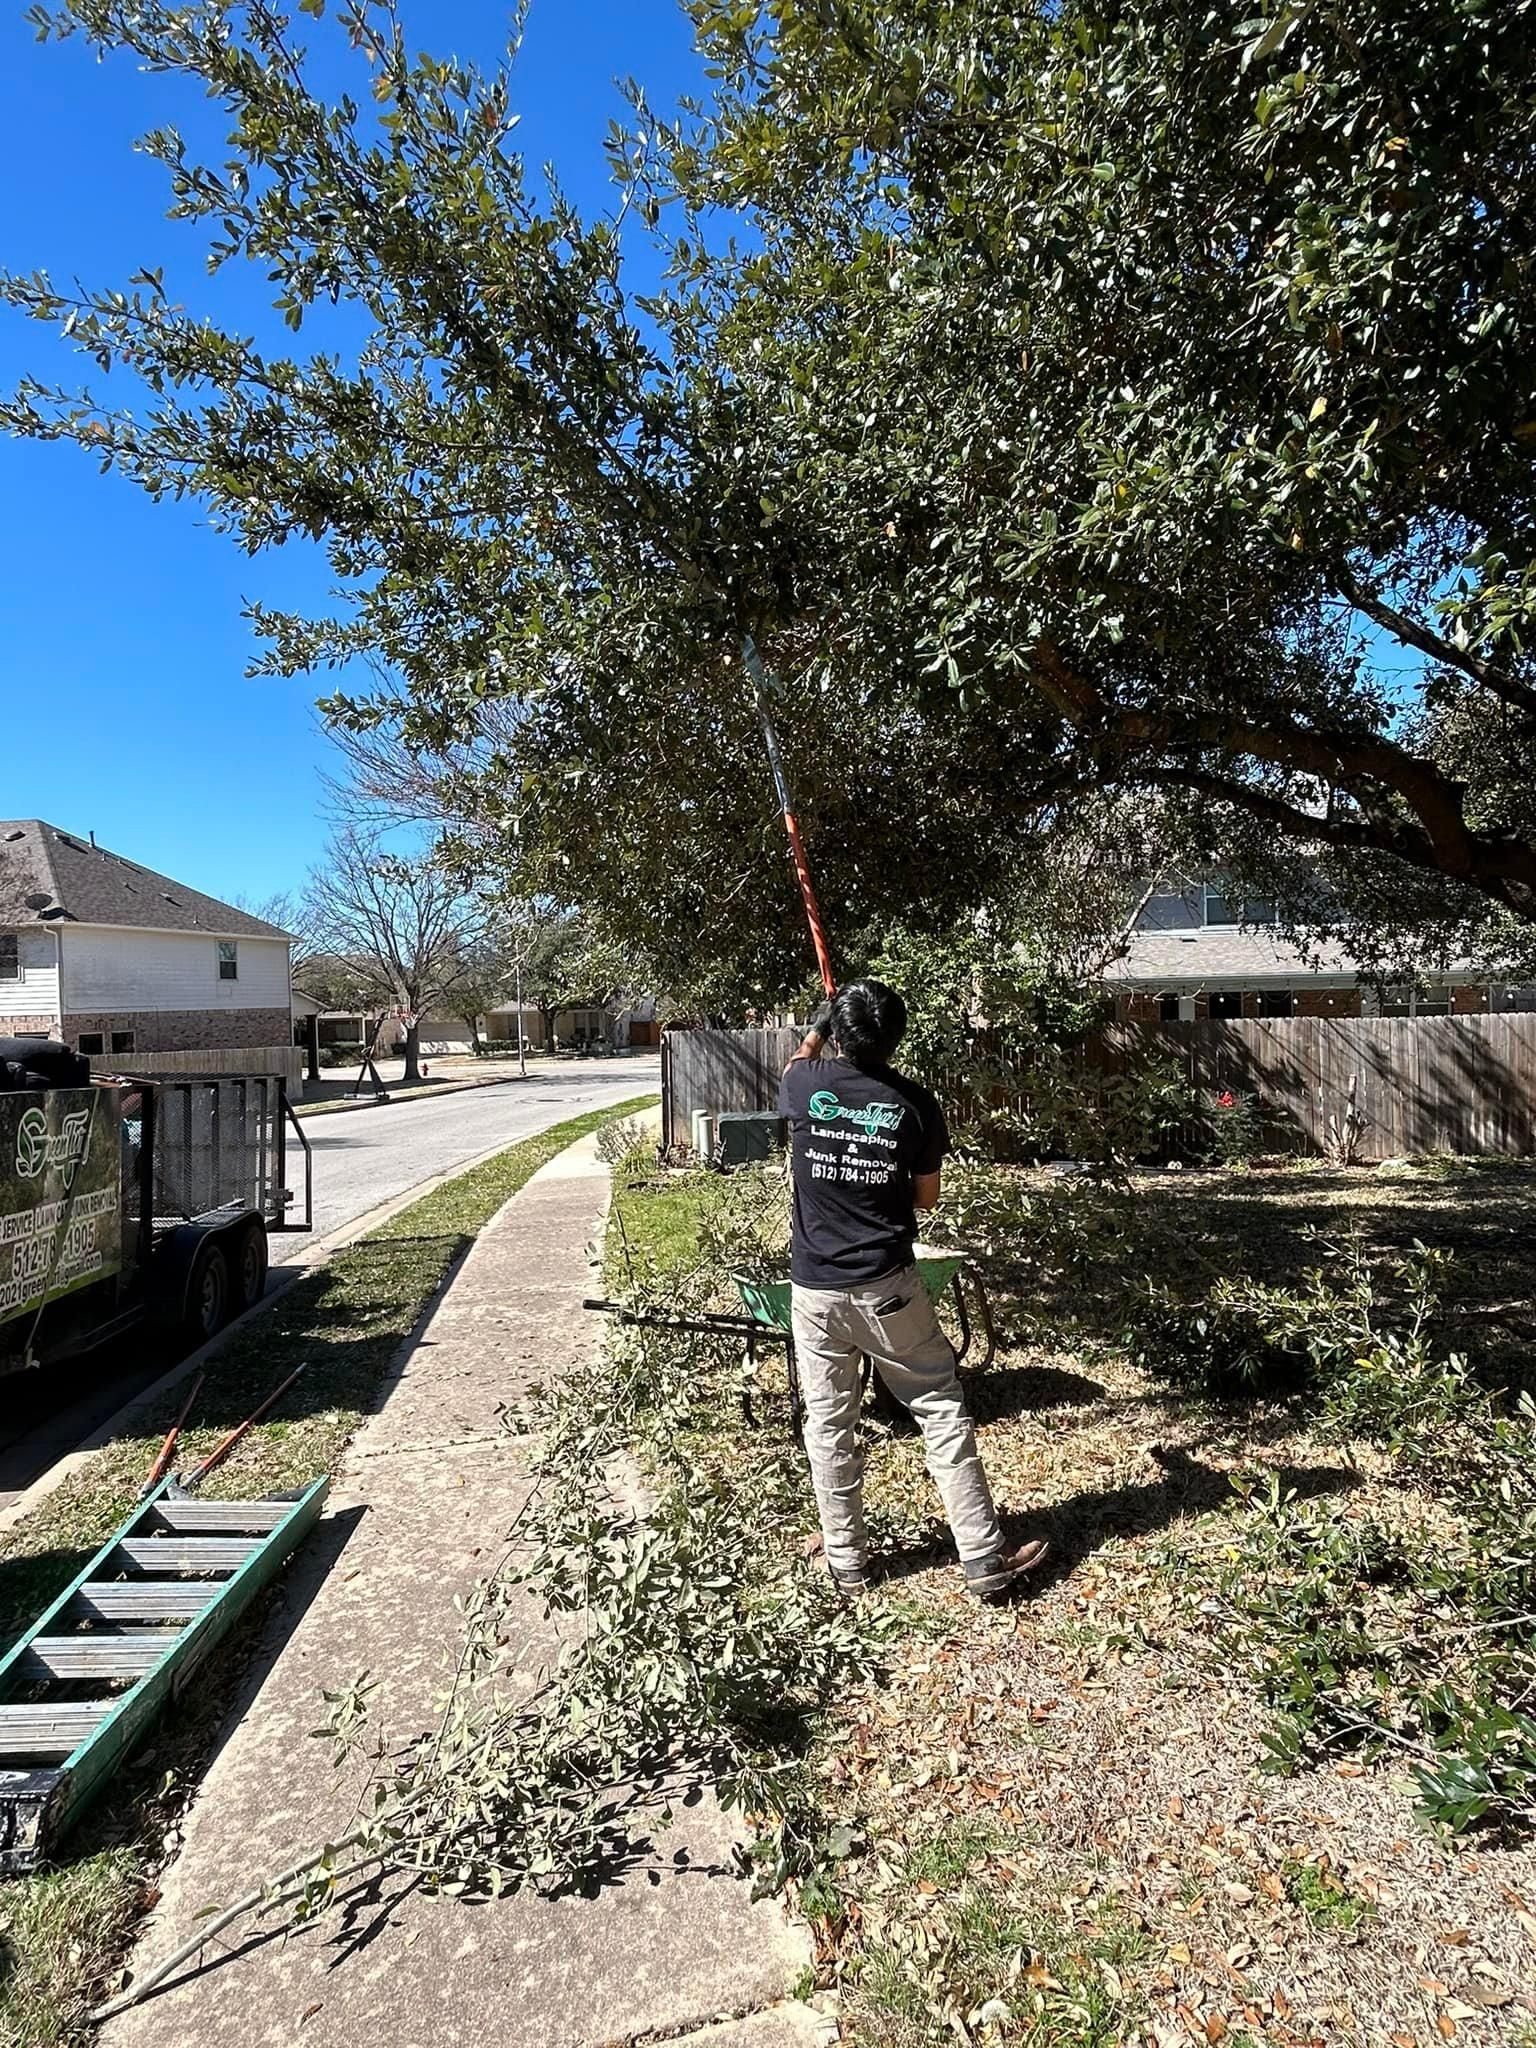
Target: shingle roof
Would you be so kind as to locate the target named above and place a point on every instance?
(1222, 951)
(42, 868)
(1234, 953)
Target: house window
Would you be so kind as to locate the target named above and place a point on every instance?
(1413, 1002)
(1173, 906)
(1224, 907)
(91, 1041)
(1226, 1002)
(10, 957)
(122, 1041)
(229, 960)
(1168, 1009)
(1504, 996)
(1276, 1002)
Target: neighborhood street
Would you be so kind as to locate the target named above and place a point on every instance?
(363, 1159)
(367, 1157)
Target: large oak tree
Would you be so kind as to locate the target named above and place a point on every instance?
(1067, 398)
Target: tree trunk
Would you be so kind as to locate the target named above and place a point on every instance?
(412, 1053)
(474, 1034)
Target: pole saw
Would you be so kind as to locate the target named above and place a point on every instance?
(754, 667)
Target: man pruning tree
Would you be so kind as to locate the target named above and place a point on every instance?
(867, 1147)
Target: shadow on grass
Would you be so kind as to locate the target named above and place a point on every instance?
(1077, 1527)
(1027, 1390)
(1001, 1391)
(29, 1584)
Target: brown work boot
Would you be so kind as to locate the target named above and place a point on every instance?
(986, 1577)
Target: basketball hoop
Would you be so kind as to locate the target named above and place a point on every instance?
(408, 1019)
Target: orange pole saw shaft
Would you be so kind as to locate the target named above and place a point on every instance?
(754, 667)
(222, 1449)
(167, 1451)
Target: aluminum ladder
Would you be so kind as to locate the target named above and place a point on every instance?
(92, 1673)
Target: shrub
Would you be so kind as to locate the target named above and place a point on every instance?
(1050, 1244)
(627, 1143)
(1054, 1101)
(1409, 1631)
(1243, 1336)
(1235, 1122)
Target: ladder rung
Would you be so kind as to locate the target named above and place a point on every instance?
(227, 1517)
(46, 1731)
(143, 1599)
(159, 1554)
(98, 1653)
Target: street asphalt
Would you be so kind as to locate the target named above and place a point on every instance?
(362, 1159)
(366, 1157)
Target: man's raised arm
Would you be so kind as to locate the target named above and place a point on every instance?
(817, 1034)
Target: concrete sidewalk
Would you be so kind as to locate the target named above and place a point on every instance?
(430, 1485)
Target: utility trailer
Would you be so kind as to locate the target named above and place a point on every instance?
(135, 1200)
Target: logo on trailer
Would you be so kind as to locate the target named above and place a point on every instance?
(38, 1148)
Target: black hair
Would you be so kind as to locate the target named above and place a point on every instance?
(868, 1022)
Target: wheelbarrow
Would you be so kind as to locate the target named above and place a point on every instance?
(768, 1304)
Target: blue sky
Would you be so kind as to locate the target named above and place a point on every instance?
(122, 647)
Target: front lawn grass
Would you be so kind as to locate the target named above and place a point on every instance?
(1065, 1832)
(65, 1931)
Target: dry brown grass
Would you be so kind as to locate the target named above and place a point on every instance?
(1067, 1836)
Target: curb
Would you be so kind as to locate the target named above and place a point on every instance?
(432, 1094)
(542, 1068)
(313, 1255)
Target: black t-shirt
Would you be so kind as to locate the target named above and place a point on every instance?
(857, 1137)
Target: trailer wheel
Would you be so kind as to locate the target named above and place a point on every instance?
(207, 1294)
(250, 1267)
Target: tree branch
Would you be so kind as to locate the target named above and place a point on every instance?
(1500, 866)
(1413, 634)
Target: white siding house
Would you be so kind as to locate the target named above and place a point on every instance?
(159, 971)
(148, 965)
(29, 977)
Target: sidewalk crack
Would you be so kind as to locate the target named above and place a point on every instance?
(696, 2029)
(435, 1443)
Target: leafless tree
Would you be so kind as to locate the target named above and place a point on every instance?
(402, 924)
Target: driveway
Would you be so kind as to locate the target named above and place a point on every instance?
(362, 1158)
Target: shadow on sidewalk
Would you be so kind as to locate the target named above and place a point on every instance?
(624, 1849)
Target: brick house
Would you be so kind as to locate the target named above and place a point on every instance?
(115, 959)
(1195, 949)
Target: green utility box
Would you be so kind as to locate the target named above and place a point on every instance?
(746, 1135)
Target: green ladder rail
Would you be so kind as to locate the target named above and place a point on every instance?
(119, 1644)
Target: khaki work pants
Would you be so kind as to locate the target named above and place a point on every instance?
(891, 1321)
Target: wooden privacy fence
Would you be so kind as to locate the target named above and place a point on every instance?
(717, 1070)
(1423, 1084)
(250, 1060)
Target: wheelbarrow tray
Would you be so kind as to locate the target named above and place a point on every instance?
(767, 1301)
